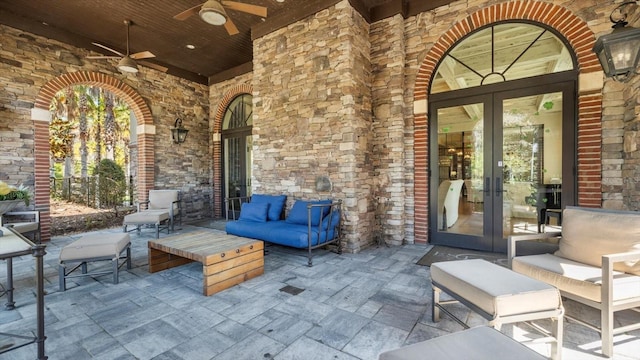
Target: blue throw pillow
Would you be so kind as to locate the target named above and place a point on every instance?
(334, 218)
(298, 213)
(254, 212)
(276, 204)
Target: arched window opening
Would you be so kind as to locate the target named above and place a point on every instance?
(501, 52)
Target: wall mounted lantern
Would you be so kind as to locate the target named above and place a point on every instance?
(178, 132)
(619, 51)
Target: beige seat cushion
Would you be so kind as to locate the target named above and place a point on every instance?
(574, 277)
(479, 343)
(587, 234)
(146, 217)
(495, 289)
(95, 246)
(162, 199)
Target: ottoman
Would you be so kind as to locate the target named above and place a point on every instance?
(499, 295)
(479, 343)
(90, 248)
(158, 218)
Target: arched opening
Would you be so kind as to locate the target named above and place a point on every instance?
(502, 105)
(580, 40)
(237, 147)
(42, 117)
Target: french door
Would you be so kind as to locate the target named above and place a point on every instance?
(501, 161)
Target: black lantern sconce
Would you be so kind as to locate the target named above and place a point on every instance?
(178, 132)
(619, 51)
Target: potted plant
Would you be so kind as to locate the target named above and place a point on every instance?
(11, 196)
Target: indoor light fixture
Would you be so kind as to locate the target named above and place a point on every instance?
(178, 132)
(127, 65)
(213, 13)
(619, 51)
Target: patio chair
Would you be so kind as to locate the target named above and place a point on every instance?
(162, 210)
(25, 222)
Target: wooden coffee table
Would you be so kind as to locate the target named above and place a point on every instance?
(227, 260)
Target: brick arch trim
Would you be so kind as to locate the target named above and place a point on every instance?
(217, 145)
(581, 39)
(124, 91)
(141, 110)
(226, 100)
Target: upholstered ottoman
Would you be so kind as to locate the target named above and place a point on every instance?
(479, 343)
(498, 294)
(158, 218)
(95, 247)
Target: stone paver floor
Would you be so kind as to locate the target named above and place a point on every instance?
(353, 306)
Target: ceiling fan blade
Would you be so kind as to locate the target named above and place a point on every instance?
(142, 55)
(102, 57)
(108, 48)
(187, 13)
(231, 27)
(153, 66)
(248, 8)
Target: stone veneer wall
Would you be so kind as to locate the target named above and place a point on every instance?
(298, 105)
(312, 115)
(28, 62)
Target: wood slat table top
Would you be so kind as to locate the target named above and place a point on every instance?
(198, 245)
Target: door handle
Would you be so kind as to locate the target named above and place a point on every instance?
(499, 189)
(487, 186)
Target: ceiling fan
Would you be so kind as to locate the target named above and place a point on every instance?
(212, 12)
(127, 63)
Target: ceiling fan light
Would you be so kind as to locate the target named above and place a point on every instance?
(128, 65)
(213, 13)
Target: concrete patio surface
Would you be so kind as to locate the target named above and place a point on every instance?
(353, 306)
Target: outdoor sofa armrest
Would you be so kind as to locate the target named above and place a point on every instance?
(231, 203)
(142, 203)
(511, 243)
(607, 272)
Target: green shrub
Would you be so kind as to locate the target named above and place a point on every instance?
(112, 184)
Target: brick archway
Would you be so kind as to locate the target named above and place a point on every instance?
(580, 38)
(217, 144)
(41, 117)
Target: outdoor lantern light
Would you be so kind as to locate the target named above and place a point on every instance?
(213, 13)
(619, 51)
(178, 132)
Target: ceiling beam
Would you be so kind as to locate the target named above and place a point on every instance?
(231, 73)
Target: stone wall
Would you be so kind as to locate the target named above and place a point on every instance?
(28, 62)
(312, 115)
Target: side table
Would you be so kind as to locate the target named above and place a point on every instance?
(13, 244)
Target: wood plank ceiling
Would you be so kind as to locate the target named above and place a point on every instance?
(217, 56)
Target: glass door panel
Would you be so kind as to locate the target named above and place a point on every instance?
(237, 168)
(532, 161)
(459, 186)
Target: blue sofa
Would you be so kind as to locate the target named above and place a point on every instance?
(310, 224)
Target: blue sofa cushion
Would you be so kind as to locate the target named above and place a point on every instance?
(295, 235)
(254, 212)
(276, 204)
(250, 229)
(298, 212)
(330, 221)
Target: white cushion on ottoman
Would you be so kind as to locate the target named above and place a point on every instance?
(95, 246)
(495, 289)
